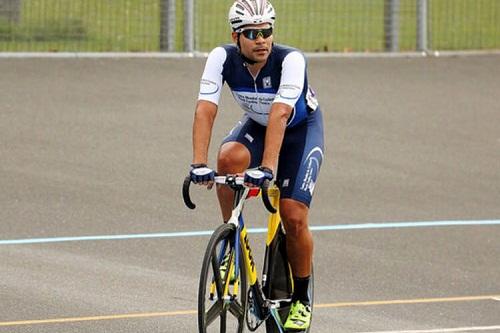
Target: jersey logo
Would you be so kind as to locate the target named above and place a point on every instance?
(312, 102)
(208, 87)
(289, 91)
(313, 163)
(266, 82)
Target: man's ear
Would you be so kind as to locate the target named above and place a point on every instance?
(235, 36)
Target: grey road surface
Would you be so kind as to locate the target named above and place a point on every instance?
(99, 147)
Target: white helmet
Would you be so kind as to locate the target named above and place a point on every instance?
(244, 12)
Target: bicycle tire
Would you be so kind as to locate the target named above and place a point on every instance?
(220, 315)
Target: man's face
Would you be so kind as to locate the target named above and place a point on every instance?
(255, 41)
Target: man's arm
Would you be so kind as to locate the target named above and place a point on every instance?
(206, 108)
(291, 85)
(275, 132)
(202, 130)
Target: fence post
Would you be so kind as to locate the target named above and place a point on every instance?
(391, 25)
(167, 25)
(422, 25)
(188, 25)
(10, 9)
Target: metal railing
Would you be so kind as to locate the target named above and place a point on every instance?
(200, 25)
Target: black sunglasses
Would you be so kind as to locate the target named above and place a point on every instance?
(253, 34)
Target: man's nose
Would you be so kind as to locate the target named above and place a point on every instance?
(260, 38)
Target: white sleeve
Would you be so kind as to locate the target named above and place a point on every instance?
(292, 79)
(211, 80)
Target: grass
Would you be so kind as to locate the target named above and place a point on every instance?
(468, 24)
(312, 25)
(357, 25)
(83, 25)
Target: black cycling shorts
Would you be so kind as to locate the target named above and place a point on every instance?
(300, 157)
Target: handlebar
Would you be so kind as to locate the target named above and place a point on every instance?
(233, 181)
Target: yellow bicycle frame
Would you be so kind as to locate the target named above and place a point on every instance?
(273, 221)
(272, 228)
(273, 224)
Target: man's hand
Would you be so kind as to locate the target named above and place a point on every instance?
(257, 177)
(201, 174)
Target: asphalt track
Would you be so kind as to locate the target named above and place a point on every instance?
(94, 236)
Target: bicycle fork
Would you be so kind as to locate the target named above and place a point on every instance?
(257, 297)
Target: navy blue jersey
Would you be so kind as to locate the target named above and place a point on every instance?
(283, 79)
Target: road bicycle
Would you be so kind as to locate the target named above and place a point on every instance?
(230, 294)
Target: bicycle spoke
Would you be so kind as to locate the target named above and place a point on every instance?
(214, 312)
(223, 318)
(236, 309)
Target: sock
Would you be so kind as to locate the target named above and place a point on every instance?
(300, 289)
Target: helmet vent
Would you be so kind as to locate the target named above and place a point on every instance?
(245, 12)
(248, 6)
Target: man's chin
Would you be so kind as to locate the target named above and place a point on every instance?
(260, 58)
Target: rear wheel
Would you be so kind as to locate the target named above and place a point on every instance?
(221, 299)
(271, 326)
(279, 285)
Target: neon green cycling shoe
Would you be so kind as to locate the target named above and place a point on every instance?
(224, 266)
(299, 318)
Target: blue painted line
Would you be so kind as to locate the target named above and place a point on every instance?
(421, 224)
(363, 226)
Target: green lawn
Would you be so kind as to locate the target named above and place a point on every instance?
(84, 25)
(357, 25)
(313, 25)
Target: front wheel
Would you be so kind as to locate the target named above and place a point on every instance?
(222, 296)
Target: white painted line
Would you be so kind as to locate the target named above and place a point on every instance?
(363, 226)
(443, 330)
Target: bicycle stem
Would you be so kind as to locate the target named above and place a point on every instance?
(238, 206)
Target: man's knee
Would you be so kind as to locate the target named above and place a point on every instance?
(233, 157)
(294, 215)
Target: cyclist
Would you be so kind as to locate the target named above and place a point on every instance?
(281, 130)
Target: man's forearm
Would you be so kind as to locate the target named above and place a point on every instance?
(202, 130)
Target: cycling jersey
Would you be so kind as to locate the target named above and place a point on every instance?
(283, 79)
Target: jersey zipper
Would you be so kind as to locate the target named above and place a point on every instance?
(255, 87)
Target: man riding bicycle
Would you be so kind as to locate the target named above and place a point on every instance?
(281, 130)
